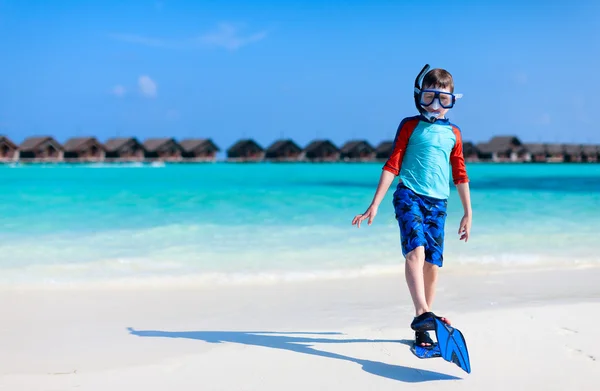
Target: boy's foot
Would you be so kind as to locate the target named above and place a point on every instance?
(423, 339)
(426, 321)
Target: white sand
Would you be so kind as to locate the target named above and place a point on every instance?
(535, 330)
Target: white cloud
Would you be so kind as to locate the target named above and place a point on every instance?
(147, 86)
(226, 35)
(118, 90)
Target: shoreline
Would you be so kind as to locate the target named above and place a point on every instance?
(470, 292)
(228, 280)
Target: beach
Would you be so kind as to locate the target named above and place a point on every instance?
(528, 329)
(179, 182)
(251, 277)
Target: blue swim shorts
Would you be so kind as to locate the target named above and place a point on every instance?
(421, 220)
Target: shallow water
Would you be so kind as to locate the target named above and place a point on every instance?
(62, 223)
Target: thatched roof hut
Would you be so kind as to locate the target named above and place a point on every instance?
(283, 150)
(357, 150)
(9, 151)
(321, 151)
(124, 149)
(503, 149)
(384, 150)
(573, 153)
(84, 149)
(555, 153)
(537, 152)
(591, 153)
(199, 149)
(535, 148)
(162, 149)
(40, 149)
(470, 151)
(245, 150)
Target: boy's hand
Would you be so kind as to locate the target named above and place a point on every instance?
(370, 214)
(465, 228)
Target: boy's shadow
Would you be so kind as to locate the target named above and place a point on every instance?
(297, 342)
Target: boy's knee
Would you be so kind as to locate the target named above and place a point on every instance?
(416, 255)
(430, 270)
(430, 266)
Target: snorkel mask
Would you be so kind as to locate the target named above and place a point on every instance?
(433, 98)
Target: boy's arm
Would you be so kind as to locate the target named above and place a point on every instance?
(464, 229)
(465, 197)
(390, 170)
(394, 162)
(385, 180)
(459, 173)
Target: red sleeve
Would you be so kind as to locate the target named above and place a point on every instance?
(459, 171)
(394, 162)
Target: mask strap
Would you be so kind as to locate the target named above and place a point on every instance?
(422, 111)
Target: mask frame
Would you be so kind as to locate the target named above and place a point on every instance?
(437, 94)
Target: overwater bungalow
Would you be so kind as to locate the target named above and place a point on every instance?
(199, 150)
(555, 153)
(283, 151)
(83, 149)
(9, 151)
(573, 153)
(40, 149)
(470, 152)
(321, 151)
(591, 153)
(162, 149)
(357, 150)
(384, 150)
(503, 149)
(536, 151)
(246, 150)
(124, 149)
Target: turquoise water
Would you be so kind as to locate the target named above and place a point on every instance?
(220, 222)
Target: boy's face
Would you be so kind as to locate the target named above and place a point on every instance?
(436, 107)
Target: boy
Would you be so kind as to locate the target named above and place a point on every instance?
(424, 148)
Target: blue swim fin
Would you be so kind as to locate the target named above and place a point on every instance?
(426, 351)
(452, 344)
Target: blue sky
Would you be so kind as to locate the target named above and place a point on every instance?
(300, 70)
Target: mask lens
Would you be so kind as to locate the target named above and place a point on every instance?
(446, 99)
(427, 98)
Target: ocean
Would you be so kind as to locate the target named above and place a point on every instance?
(226, 222)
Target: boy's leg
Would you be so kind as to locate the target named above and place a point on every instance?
(434, 222)
(413, 271)
(430, 274)
(407, 206)
(411, 212)
(418, 277)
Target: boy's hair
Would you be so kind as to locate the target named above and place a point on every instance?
(439, 78)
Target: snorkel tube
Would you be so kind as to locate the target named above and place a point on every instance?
(417, 92)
